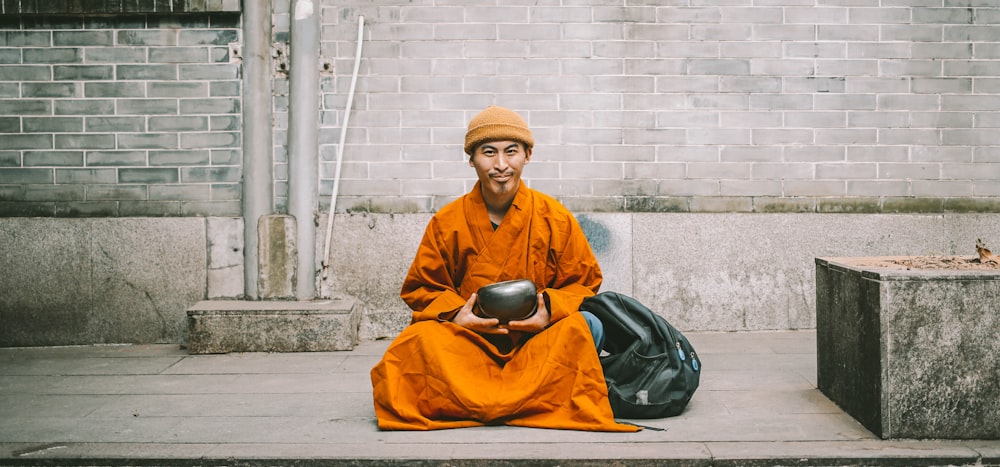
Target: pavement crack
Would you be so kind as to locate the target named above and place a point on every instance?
(37, 449)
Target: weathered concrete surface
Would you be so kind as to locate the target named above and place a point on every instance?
(757, 405)
(224, 326)
(225, 257)
(277, 257)
(87, 281)
(910, 353)
(725, 272)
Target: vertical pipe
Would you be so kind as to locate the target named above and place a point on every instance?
(258, 197)
(303, 140)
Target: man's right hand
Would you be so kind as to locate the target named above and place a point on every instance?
(468, 319)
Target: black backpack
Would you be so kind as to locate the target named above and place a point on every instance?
(651, 369)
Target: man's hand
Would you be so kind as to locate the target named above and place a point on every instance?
(535, 323)
(468, 319)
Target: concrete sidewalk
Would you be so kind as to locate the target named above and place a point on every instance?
(157, 405)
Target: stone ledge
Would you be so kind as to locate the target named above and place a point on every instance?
(909, 354)
(113, 7)
(225, 326)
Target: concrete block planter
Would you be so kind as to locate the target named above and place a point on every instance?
(910, 353)
(223, 326)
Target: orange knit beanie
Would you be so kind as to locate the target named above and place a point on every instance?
(497, 124)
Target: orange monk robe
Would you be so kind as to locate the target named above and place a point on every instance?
(437, 374)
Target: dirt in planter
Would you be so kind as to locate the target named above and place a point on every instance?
(931, 262)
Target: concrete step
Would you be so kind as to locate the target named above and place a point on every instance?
(225, 326)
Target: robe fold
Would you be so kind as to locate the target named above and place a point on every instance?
(437, 374)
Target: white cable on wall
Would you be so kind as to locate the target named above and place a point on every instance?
(340, 149)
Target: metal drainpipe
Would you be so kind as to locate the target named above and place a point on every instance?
(303, 141)
(258, 197)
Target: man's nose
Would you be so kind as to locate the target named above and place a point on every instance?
(501, 162)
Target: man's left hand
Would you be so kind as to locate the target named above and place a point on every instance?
(535, 323)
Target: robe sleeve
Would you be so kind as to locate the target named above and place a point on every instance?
(578, 274)
(429, 289)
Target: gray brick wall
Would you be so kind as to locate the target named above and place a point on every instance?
(861, 106)
(129, 116)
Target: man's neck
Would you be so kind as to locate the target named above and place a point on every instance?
(498, 204)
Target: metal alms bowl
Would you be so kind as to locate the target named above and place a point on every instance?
(508, 300)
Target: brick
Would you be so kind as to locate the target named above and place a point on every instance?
(880, 15)
(115, 89)
(53, 158)
(82, 38)
(823, 188)
(25, 175)
(26, 141)
(160, 37)
(61, 55)
(941, 154)
(971, 102)
(225, 123)
(210, 140)
(946, 51)
(878, 154)
(228, 157)
(53, 192)
(10, 125)
(878, 119)
(750, 120)
(10, 158)
(978, 50)
(115, 158)
(210, 174)
(848, 136)
(58, 89)
(815, 154)
(25, 107)
(979, 171)
(784, 32)
(81, 72)
(209, 106)
(978, 137)
(592, 66)
(912, 33)
(178, 89)
(157, 158)
(25, 73)
(815, 50)
(111, 192)
(664, 32)
(878, 188)
(206, 37)
(115, 55)
(846, 171)
(723, 170)
(783, 67)
(624, 49)
(179, 192)
(971, 68)
(989, 188)
(767, 101)
(178, 54)
(25, 38)
(769, 136)
(688, 188)
(751, 84)
(755, 15)
(844, 102)
(750, 187)
(85, 176)
(750, 154)
(148, 175)
(659, 67)
(84, 107)
(223, 88)
(935, 188)
(720, 136)
(147, 141)
(816, 119)
(947, 119)
(908, 136)
(9, 90)
(909, 171)
(781, 171)
(721, 204)
(84, 141)
(826, 32)
(941, 85)
(942, 15)
(148, 72)
(149, 208)
(52, 124)
(213, 71)
(718, 101)
(178, 123)
(718, 66)
(147, 106)
(115, 124)
(228, 191)
(847, 68)
(908, 102)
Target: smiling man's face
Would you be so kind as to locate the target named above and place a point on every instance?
(499, 165)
